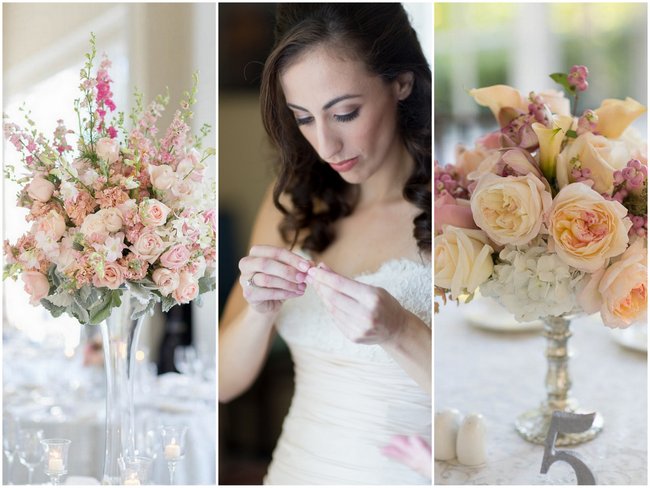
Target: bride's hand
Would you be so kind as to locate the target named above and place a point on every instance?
(365, 314)
(270, 275)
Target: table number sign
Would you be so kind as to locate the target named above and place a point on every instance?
(568, 423)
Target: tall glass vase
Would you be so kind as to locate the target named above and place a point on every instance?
(533, 425)
(120, 335)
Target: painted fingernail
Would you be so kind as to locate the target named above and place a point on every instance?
(303, 266)
(302, 286)
(311, 272)
(309, 279)
(300, 277)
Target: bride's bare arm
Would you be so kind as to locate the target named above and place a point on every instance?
(247, 325)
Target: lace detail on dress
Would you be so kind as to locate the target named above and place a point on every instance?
(305, 322)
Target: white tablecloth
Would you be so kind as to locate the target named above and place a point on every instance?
(501, 374)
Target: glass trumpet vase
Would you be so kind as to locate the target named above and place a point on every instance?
(533, 424)
(120, 335)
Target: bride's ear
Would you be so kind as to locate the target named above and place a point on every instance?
(404, 85)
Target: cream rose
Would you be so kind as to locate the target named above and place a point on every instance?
(188, 288)
(36, 284)
(620, 293)
(600, 155)
(510, 209)
(153, 212)
(111, 218)
(148, 246)
(615, 115)
(586, 229)
(162, 177)
(93, 224)
(108, 149)
(40, 189)
(113, 276)
(166, 280)
(556, 101)
(52, 224)
(462, 259)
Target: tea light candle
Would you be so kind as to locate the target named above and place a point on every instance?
(132, 480)
(55, 463)
(172, 451)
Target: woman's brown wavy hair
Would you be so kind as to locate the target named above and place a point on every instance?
(381, 35)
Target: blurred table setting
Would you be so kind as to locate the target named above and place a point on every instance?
(61, 392)
(485, 363)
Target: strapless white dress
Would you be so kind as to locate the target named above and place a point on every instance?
(350, 399)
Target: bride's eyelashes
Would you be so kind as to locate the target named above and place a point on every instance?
(339, 118)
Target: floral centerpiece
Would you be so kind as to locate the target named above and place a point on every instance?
(548, 214)
(117, 209)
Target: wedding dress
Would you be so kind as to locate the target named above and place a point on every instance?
(350, 399)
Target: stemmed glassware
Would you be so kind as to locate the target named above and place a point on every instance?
(56, 458)
(134, 470)
(30, 450)
(173, 444)
(9, 442)
(187, 361)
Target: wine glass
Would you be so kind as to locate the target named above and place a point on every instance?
(134, 470)
(30, 451)
(10, 431)
(56, 455)
(173, 443)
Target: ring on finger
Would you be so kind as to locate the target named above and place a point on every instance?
(250, 282)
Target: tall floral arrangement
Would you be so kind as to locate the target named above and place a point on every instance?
(119, 208)
(548, 214)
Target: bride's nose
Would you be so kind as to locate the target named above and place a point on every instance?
(328, 142)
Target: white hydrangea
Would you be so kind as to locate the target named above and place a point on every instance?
(532, 282)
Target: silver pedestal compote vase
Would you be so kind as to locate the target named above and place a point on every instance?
(120, 335)
(533, 425)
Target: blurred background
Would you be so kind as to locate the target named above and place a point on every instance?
(250, 425)
(152, 46)
(520, 44)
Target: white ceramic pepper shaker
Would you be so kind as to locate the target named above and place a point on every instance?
(445, 430)
(471, 442)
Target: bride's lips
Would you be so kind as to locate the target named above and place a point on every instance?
(344, 166)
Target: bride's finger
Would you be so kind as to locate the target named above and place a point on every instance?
(354, 289)
(254, 294)
(250, 265)
(259, 279)
(335, 300)
(282, 255)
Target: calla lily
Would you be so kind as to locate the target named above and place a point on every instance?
(615, 115)
(550, 141)
(497, 97)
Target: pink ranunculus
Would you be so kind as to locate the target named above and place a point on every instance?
(188, 288)
(452, 211)
(113, 276)
(162, 177)
(148, 246)
(52, 224)
(166, 280)
(153, 212)
(40, 189)
(37, 285)
(108, 149)
(175, 257)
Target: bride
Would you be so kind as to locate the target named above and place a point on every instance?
(340, 258)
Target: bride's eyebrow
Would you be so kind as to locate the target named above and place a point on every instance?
(329, 104)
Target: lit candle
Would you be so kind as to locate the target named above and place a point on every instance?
(172, 451)
(55, 463)
(132, 479)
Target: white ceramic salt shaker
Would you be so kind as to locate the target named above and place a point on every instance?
(445, 429)
(471, 442)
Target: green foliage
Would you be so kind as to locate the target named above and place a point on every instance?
(563, 79)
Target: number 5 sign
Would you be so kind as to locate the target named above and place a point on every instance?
(568, 423)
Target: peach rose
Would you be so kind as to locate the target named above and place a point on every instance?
(188, 288)
(615, 115)
(468, 160)
(600, 155)
(462, 259)
(108, 149)
(113, 276)
(148, 246)
(153, 212)
(37, 285)
(162, 177)
(510, 209)
(52, 224)
(93, 224)
(175, 257)
(586, 229)
(452, 211)
(40, 189)
(166, 280)
(620, 293)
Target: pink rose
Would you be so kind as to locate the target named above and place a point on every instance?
(108, 149)
(40, 189)
(452, 211)
(175, 257)
(113, 276)
(153, 212)
(162, 177)
(183, 189)
(620, 292)
(188, 288)
(37, 285)
(190, 168)
(51, 224)
(166, 280)
(148, 246)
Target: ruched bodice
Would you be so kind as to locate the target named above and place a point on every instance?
(350, 399)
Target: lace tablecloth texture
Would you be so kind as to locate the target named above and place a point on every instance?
(501, 374)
